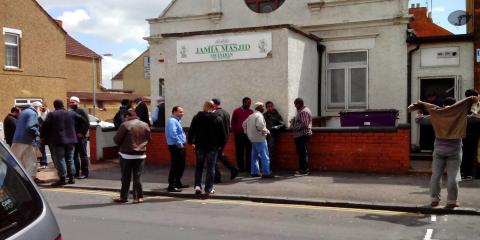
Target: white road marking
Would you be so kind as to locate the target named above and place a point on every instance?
(428, 235)
(434, 218)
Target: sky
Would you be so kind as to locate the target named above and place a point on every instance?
(117, 27)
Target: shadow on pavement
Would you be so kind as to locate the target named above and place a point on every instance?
(402, 219)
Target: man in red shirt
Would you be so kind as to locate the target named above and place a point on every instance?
(243, 146)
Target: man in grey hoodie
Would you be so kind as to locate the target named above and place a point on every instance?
(256, 129)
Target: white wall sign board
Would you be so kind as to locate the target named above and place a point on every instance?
(223, 48)
(436, 57)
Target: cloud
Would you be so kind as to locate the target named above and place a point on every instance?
(73, 19)
(113, 20)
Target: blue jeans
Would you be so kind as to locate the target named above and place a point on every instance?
(209, 156)
(452, 164)
(260, 150)
(62, 156)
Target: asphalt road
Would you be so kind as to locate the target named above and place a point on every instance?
(84, 214)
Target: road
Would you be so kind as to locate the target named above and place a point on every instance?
(85, 214)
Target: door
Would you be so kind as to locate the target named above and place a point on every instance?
(434, 90)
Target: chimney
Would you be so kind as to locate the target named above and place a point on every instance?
(412, 6)
(59, 22)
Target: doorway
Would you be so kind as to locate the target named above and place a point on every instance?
(434, 90)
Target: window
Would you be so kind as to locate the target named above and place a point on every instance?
(26, 101)
(12, 48)
(347, 78)
(20, 203)
(264, 6)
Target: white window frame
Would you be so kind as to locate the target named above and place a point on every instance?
(18, 34)
(347, 105)
(26, 101)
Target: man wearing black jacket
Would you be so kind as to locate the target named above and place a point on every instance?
(9, 124)
(142, 110)
(221, 157)
(275, 125)
(81, 129)
(207, 135)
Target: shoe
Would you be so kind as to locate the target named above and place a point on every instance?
(173, 189)
(82, 177)
(233, 173)
(303, 173)
(38, 181)
(254, 175)
(137, 201)
(43, 167)
(434, 203)
(59, 183)
(183, 186)
(268, 176)
(198, 190)
(71, 180)
(466, 178)
(209, 194)
(452, 205)
(119, 200)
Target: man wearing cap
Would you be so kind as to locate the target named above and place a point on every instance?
(142, 110)
(219, 111)
(82, 124)
(256, 129)
(26, 138)
(158, 115)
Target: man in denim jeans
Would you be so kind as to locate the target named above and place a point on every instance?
(58, 131)
(449, 123)
(256, 129)
(207, 135)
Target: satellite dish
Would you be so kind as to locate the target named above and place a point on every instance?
(458, 18)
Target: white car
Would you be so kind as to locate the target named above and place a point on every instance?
(94, 121)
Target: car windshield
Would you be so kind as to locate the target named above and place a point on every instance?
(19, 200)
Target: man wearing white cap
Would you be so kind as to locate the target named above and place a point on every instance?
(81, 128)
(256, 129)
(26, 138)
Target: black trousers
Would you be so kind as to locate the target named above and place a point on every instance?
(131, 167)
(177, 166)
(81, 152)
(469, 160)
(224, 160)
(301, 144)
(272, 146)
(243, 151)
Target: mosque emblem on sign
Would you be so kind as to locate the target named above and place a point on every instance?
(183, 52)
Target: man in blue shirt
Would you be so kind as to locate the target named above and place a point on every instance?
(176, 145)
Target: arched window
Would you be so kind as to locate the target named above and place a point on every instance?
(264, 6)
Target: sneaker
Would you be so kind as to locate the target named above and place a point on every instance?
(208, 194)
(137, 201)
(119, 200)
(59, 183)
(198, 190)
(254, 175)
(452, 205)
(268, 176)
(434, 203)
(173, 189)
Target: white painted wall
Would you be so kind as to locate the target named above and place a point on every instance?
(464, 73)
(302, 73)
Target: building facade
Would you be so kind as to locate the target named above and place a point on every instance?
(346, 55)
(32, 57)
(135, 76)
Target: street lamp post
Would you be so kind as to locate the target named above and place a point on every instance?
(94, 83)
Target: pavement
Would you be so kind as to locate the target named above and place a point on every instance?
(406, 193)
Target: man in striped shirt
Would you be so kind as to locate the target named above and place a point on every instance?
(302, 130)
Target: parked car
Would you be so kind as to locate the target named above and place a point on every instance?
(24, 213)
(94, 121)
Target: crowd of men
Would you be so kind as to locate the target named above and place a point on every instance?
(30, 128)
(255, 132)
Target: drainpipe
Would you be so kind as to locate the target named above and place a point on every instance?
(320, 50)
(409, 78)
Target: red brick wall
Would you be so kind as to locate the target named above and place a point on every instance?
(382, 152)
(92, 133)
(110, 153)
